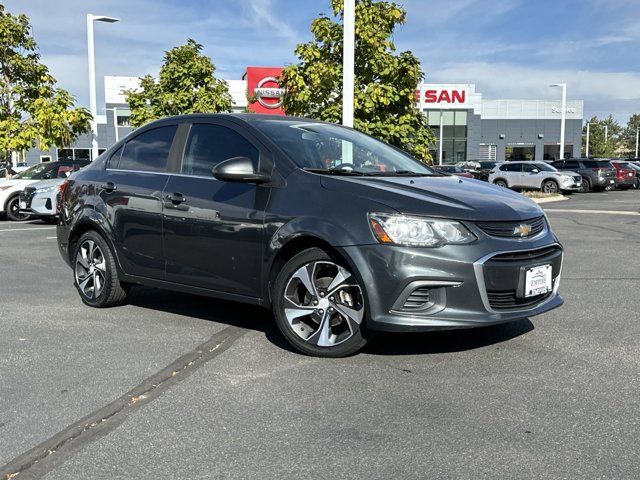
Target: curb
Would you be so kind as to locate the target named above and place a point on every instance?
(550, 199)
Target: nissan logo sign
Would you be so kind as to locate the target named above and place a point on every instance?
(269, 96)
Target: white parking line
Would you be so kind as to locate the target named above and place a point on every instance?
(25, 229)
(609, 212)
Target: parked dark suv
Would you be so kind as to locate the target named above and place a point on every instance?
(335, 231)
(596, 174)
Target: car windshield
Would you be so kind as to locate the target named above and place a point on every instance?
(32, 172)
(326, 148)
(545, 167)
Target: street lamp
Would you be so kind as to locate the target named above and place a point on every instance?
(637, 138)
(563, 114)
(348, 53)
(92, 78)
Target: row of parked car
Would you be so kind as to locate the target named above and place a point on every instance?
(33, 192)
(569, 175)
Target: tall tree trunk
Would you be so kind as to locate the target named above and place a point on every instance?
(8, 163)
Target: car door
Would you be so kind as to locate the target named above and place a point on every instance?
(213, 230)
(531, 176)
(513, 172)
(131, 190)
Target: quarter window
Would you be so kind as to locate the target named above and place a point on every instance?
(210, 144)
(571, 164)
(148, 152)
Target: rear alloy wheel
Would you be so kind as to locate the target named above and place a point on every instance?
(501, 183)
(550, 186)
(96, 276)
(585, 186)
(319, 305)
(636, 184)
(13, 210)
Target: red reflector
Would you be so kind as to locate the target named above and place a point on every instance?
(63, 188)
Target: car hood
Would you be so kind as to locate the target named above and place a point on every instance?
(11, 182)
(48, 183)
(448, 197)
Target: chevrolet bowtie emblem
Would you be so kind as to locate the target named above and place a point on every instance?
(523, 230)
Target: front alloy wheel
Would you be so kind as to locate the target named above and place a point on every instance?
(319, 305)
(13, 210)
(550, 187)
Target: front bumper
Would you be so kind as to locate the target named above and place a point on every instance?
(465, 289)
(42, 205)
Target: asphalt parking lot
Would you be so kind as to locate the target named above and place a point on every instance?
(179, 386)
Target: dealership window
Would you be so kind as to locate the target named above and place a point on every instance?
(454, 134)
(77, 153)
(488, 152)
(517, 152)
(45, 158)
(123, 117)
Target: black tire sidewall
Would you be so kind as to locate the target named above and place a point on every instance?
(110, 270)
(10, 215)
(587, 185)
(350, 346)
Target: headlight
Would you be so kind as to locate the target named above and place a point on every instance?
(395, 229)
(46, 189)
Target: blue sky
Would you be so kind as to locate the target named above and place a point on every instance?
(508, 48)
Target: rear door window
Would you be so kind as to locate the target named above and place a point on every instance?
(511, 167)
(209, 144)
(148, 152)
(571, 164)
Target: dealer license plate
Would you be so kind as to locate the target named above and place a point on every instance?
(537, 280)
(23, 205)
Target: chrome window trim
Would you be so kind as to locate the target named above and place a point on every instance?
(478, 266)
(135, 171)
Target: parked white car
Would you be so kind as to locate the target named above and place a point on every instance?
(10, 188)
(39, 199)
(534, 175)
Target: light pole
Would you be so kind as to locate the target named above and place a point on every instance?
(586, 153)
(348, 47)
(637, 138)
(563, 114)
(92, 78)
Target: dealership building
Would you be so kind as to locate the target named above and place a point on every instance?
(466, 126)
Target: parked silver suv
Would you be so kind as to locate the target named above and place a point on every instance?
(534, 175)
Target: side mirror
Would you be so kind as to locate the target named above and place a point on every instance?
(239, 169)
(535, 170)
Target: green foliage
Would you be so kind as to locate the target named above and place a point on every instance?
(629, 134)
(186, 84)
(598, 147)
(33, 111)
(385, 81)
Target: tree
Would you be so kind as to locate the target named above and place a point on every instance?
(599, 146)
(186, 84)
(33, 111)
(385, 81)
(629, 134)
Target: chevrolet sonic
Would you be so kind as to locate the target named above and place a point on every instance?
(338, 233)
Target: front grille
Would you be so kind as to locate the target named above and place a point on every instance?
(510, 229)
(504, 276)
(26, 195)
(418, 299)
(526, 255)
(509, 300)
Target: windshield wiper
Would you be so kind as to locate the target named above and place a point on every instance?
(334, 171)
(399, 173)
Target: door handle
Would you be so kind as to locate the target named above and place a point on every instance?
(175, 198)
(109, 186)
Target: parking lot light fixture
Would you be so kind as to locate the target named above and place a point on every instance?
(563, 113)
(92, 77)
(637, 138)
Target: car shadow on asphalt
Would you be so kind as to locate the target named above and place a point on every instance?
(210, 309)
(260, 319)
(446, 341)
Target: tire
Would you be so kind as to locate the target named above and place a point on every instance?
(585, 185)
(501, 183)
(550, 186)
(319, 305)
(94, 266)
(13, 210)
(636, 185)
